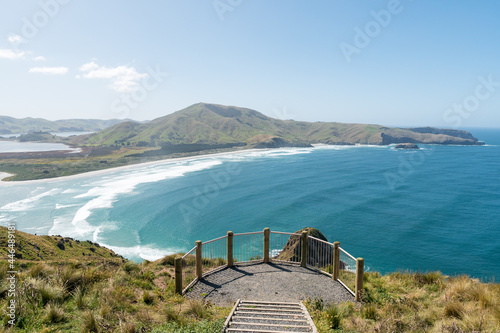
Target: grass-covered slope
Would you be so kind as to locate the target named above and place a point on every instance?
(84, 287)
(213, 124)
(32, 247)
(414, 302)
(9, 125)
(68, 291)
(200, 123)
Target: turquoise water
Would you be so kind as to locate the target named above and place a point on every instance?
(433, 209)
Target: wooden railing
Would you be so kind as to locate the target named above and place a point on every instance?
(268, 246)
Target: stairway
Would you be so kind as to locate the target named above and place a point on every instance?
(268, 317)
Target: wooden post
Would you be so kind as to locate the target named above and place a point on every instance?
(336, 261)
(267, 232)
(178, 275)
(360, 263)
(199, 271)
(303, 261)
(229, 249)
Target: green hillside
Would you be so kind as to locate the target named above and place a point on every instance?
(9, 125)
(77, 289)
(213, 124)
(65, 285)
(32, 247)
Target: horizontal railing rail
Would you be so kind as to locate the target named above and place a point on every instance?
(270, 246)
(213, 254)
(247, 247)
(282, 247)
(320, 255)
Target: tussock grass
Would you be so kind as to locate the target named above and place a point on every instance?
(79, 298)
(128, 328)
(89, 322)
(168, 260)
(54, 314)
(112, 295)
(415, 302)
(100, 296)
(148, 298)
(40, 271)
(198, 309)
(131, 267)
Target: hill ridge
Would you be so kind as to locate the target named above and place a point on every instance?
(11, 125)
(215, 124)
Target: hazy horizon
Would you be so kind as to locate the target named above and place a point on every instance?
(394, 125)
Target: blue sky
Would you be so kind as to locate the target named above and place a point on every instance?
(396, 63)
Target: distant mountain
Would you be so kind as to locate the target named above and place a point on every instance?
(214, 125)
(211, 124)
(9, 125)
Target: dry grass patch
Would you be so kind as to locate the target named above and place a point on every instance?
(415, 302)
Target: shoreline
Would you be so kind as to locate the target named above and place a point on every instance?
(4, 175)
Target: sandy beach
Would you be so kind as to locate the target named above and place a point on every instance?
(4, 175)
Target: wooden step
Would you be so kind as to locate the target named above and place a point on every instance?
(259, 331)
(269, 317)
(273, 310)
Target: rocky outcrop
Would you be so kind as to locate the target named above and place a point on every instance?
(318, 255)
(407, 146)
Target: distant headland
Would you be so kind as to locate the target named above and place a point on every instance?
(198, 129)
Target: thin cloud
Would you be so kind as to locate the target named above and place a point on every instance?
(39, 58)
(11, 54)
(123, 78)
(49, 70)
(15, 39)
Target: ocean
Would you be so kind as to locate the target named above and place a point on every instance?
(434, 209)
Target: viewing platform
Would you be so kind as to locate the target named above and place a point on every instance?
(277, 282)
(269, 266)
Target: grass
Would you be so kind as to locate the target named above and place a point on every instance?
(105, 293)
(78, 290)
(45, 248)
(54, 314)
(414, 302)
(95, 296)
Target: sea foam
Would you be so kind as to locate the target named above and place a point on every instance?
(21, 205)
(105, 192)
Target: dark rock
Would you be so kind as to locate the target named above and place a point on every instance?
(60, 245)
(407, 146)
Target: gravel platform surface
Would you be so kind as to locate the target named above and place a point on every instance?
(268, 282)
